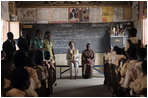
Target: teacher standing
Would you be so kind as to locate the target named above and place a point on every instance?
(48, 45)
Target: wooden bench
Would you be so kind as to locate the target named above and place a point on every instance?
(61, 66)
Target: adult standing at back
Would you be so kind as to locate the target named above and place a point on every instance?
(133, 41)
(88, 61)
(48, 45)
(49, 56)
(37, 43)
(73, 58)
(9, 46)
(22, 42)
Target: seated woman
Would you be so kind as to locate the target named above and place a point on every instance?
(73, 58)
(88, 61)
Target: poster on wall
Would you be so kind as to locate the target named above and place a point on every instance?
(107, 14)
(78, 15)
(127, 13)
(44, 15)
(118, 14)
(95, 15)
(26, 15)
(60, 15)
(135, 10)
(4, 10)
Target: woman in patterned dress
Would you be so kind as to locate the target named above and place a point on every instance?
(88, 61)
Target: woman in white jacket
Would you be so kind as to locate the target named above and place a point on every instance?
(72, 59)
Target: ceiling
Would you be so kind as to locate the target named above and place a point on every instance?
(69, 3)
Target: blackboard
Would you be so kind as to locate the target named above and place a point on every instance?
(81, 33)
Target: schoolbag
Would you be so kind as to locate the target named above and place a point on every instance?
(137, 45)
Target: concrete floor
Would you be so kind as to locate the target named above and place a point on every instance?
(81, 87)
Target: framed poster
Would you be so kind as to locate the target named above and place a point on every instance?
(27, 15)
(107, 14)
(60, 15)
(127, 13)
(118, 14)
(44, 15)
(78, 15)
(4, 10)
(95, 15)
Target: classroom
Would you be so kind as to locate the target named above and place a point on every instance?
(73, 48)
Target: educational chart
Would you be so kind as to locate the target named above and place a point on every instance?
(44, 15)
(127, 13)
(27, 15)
(4, 11)
(118, 14)
(77, 15)
(60, 15)
(95, 15)
(135, 10)
(107, 14)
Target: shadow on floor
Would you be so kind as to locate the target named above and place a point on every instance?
(79, 77)
(91, 91)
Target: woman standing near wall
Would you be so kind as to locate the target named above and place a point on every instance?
(50, 59)
(48, 45)
(37, 43)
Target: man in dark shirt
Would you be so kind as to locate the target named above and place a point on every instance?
(22, 42)
(9, 46)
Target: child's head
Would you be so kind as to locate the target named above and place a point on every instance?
(131, 52)
(38, 33)
(20, 79)
(20, 58)
(47, 55)
(144, 67)
(6, 67)
(132, 32)
(123, 52)
(117, 50)
(30, 58)
(141, 53)
(47, 35)
(38, 58)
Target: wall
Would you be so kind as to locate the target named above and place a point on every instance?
(12, 11)
(138, 11)
(62, 15)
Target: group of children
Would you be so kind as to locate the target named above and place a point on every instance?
(126, 69)
(27, 75)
